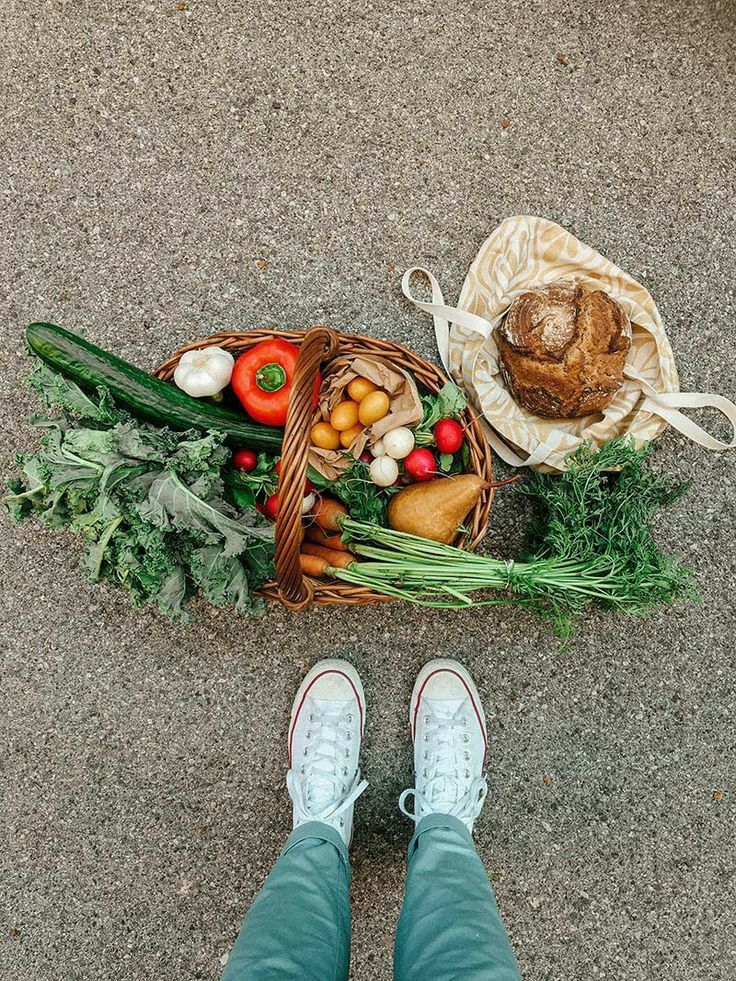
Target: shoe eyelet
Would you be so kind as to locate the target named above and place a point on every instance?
(464, 721)
(349, 719)
(425, 755)
(345, 771)
(342, 822)
(309, 734)
(311, 716)
(426, 737)
(342, 787)
(467, 755)
(306, 751)
(466, 738)
(424, 774)
(349, 736)
(347, 754)
(302, 769)
(467, 774)
(426, 720)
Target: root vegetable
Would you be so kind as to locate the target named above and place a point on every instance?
(377, 448)
(421, 464)
(348, 436)
(324, 436)
(359, 388)
(344, 416)
(384, 471)
(373, 407)
(435, 509)
(398, 443)
(313, 565)
(271, 507)
(328, 513)
(318, 536)
(340, 560)
(244, 459)
(448, 435)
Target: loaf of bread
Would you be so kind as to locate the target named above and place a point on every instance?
(562, 349)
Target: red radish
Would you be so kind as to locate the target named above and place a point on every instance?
(271, 507)
(448, 435)
(366, 457)
(421, 464)
(245, 460)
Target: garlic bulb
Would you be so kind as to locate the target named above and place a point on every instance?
(384, 471)
(398, 443)
(204, 372)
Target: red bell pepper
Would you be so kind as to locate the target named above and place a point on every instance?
(262, 380)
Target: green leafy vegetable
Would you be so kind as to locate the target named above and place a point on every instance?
(364, 500)
(591, 541)
(244, 487)
(448, 403)
(149, 502)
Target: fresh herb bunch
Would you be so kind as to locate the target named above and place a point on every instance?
(364, 500)
(591, 541)
(150, 502)
(448, 403)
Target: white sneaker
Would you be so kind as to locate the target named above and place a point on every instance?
(326, 730)
(450, 744)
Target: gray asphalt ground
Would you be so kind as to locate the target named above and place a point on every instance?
(171, 169)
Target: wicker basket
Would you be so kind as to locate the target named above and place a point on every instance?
(319, 344)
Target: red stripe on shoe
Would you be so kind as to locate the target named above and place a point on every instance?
(304, 698)
(470, 696)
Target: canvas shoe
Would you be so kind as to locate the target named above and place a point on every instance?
(326, 730)
(450, 744)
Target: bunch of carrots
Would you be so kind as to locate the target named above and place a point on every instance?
(322, 547)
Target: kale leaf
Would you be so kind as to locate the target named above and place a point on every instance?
(149, 502)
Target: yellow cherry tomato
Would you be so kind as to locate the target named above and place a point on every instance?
(373, 407)
(324, 436)
(348, 436)
(360, 387)
(344, 416)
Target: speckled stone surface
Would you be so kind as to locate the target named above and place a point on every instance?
(152, 154)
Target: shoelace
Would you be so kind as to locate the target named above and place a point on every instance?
(444, 785)
(318, 785)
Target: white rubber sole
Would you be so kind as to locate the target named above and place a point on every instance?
(328, 664)
(445, 664)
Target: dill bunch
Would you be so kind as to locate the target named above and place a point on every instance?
(590, 541)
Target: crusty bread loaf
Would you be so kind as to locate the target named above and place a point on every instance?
(562, 349)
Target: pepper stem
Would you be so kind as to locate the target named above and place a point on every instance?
(270, 377)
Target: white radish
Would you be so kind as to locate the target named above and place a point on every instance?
(384, 471)
(377, 448)
(398, 443)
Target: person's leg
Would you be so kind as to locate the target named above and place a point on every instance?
(298, 928)
(450, 928)
(299, 924)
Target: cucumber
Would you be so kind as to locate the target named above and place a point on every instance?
(143, 395)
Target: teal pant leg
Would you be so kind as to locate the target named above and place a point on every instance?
(450, 928)
(298, 928)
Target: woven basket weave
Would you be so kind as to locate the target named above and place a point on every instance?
(320, 344)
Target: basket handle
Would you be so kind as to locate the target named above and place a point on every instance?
(294, 590)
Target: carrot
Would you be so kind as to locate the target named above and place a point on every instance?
(327, 513)
(319, 536)
(313, 565)
(341, 560)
